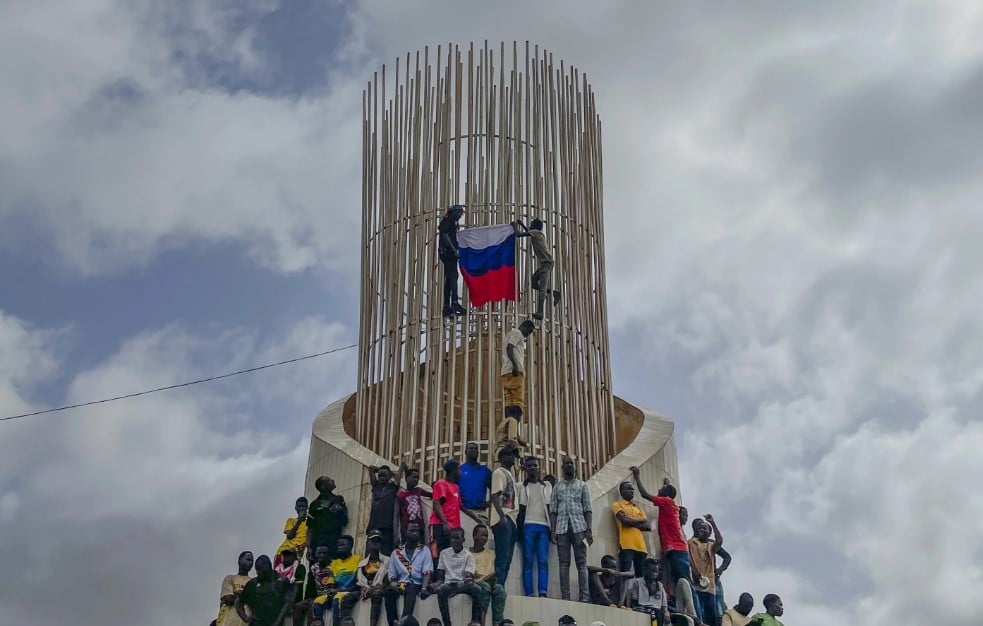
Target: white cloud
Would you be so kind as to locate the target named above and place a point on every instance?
(792, 222)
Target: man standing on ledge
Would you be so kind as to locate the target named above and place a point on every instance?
(503, 513)
(475, 481)
(674, 547)
(514, 385)
(571, 523)
(447, 251)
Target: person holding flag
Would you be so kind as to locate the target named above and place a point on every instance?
(447, 251)
(541, 250)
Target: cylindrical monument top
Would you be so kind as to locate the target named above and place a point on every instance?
(512, 135)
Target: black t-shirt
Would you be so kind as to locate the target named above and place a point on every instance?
(265, 599)
(448, 226)
(322, 523)
(383, 512)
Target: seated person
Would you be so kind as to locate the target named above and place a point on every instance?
(456, 569)
(647, 595)
(489, 591)
(295, 529)
(410, 567)
(607, 583)
(345, 570)
(372, 577)
(291, 568)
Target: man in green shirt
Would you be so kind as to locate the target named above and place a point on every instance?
(773, 610)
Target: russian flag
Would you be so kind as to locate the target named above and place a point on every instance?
(488, 262)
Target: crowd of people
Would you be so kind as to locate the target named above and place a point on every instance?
(410, 556)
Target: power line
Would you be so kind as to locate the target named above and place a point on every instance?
(185, 384)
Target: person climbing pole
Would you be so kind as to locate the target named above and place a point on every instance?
(513, 385)
(541, 278)
(448, 253)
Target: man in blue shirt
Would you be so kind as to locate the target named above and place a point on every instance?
(475, 481)
(410, 567)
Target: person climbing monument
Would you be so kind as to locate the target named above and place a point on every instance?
(513, 385)
(448, 254)
(541, 278)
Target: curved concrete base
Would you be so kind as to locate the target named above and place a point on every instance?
(334, 453)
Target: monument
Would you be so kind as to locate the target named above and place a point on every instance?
(511, 134)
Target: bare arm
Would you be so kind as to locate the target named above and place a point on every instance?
(287, 604)
(718, 539)
(516, 226)
(373, 480)
(642, 491)
(641, 524)
(496, 500)
(723, 566)
(241, 611)
(438, 510)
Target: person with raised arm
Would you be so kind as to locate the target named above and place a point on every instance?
(382, 512)
(541, 278)
(702, 554)
(447, 251)
(675, 551)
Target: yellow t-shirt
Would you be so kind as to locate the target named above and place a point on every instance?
(299, 541)
(629, 538)
(484, 563)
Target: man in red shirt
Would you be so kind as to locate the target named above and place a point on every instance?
(674, 547)
(446, 505)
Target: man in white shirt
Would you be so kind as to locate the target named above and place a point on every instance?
(534, 529)
(457, 566)
(513, 385)
(503, 513)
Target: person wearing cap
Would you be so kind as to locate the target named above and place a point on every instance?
(295, 529)
(489, 591)
(410, 568)
(504, 511)
(446, 506)
(372, 575)
(566, 620)
(541, 278)
(513, 385)
(447, 250)
(702, 554)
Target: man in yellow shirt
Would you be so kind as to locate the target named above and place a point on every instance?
(295, 528)
(632, 522)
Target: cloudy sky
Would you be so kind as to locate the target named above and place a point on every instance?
(794, 228)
